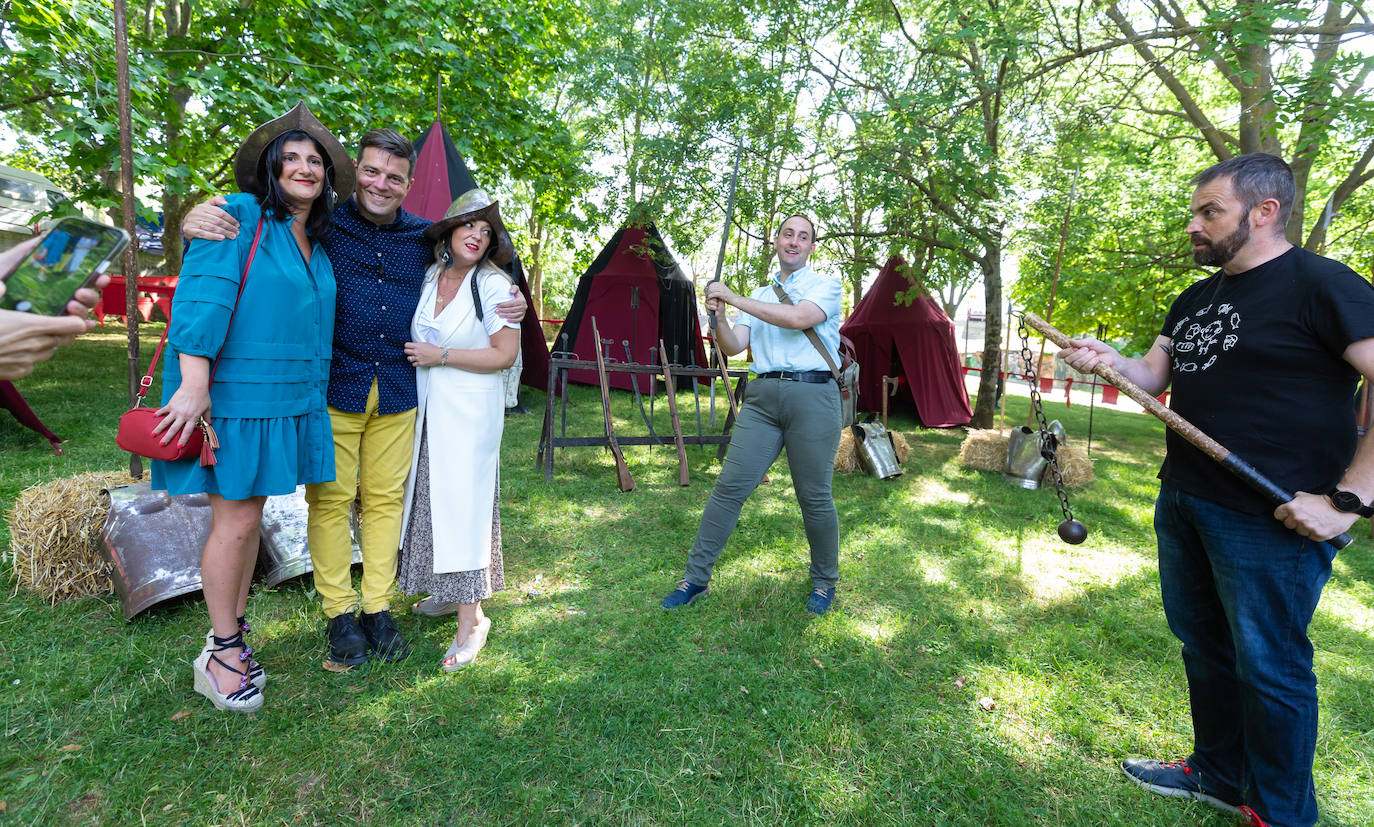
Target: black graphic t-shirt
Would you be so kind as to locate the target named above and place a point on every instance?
(1257, 366)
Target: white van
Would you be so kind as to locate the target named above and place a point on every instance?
(24, 196)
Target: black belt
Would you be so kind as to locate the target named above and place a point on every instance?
(815, 377)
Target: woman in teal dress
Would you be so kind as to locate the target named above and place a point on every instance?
(268, 391)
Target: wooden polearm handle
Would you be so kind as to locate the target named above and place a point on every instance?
(622, 471)
(1246, 472)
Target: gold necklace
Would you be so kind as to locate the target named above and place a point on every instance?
(439, 290)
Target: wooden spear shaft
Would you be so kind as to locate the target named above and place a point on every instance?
(1247, 473)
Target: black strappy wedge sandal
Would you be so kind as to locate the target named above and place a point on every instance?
(247, 696)
(256, 673)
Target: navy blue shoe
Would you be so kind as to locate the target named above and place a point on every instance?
(818, 602)
(684, 594)
(1179, 780)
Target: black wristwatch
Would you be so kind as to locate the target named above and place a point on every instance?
(1350, 503)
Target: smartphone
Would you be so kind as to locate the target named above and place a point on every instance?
(72, 255)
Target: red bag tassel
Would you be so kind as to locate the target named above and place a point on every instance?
(209, 446)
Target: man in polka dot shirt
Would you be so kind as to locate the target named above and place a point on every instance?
(379, 255)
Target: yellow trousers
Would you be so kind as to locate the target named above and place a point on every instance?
(372, 458)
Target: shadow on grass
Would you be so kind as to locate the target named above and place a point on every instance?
(592, 705)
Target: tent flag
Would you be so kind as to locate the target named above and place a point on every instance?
(638, 295)
(914, 343)
(440, 177)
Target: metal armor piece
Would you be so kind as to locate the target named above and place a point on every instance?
(877, 454)
(283, 551)
(153, 543)
(1025, 463)
(1056, 430)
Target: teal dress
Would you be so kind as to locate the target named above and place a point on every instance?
(267, 400)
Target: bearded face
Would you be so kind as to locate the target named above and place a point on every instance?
(1211, 252)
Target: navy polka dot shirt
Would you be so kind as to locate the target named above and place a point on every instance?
(379, 272)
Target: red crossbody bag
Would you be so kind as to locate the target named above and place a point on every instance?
(136, 425)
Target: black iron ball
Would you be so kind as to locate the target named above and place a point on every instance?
(1073, 532)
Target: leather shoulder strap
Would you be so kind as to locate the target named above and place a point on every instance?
(811, 335)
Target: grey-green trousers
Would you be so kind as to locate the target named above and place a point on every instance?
(805, 419)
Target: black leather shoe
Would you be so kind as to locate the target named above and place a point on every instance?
(383, 639)
(347, 645)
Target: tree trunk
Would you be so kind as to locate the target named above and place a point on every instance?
(534, 266)
(991, 265)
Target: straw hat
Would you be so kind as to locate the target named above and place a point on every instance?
(249, 157)
(471, 205)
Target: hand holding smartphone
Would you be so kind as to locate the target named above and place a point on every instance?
(73, 254)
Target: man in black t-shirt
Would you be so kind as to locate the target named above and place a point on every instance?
(1264, 357)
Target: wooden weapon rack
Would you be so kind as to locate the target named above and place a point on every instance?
(562, 362)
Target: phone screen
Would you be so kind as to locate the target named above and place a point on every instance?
(72, 255)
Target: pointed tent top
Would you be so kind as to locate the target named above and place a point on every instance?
(441, 175)
(879, 304)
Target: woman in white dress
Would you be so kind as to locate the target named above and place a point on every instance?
(451, 539)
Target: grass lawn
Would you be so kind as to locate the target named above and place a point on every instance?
(591, 705)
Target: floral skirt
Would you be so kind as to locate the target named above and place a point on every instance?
(417, 549)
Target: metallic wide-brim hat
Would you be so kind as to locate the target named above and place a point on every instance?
(471, 205)
(248, 160)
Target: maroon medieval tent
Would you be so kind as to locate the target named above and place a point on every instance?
(914, 343)
(638, 295)
(441, 176)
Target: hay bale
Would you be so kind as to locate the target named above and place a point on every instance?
(1075, 466)
(985, 450)
(55, 536)
(847, 456)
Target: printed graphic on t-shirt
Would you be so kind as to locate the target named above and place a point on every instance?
(1200, 338)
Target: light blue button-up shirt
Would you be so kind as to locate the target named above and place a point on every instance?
(777, 348)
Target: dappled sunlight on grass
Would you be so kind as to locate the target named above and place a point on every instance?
(1352, 612)
(592, 705)
(936, 492)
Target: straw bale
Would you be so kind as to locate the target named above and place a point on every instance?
(1075, 466)
(985, 450)
(846, 458)
(902, 447)
(55, 533)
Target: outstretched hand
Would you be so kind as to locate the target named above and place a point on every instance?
(1084, 354)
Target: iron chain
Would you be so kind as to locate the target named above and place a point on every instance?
(1046, 451)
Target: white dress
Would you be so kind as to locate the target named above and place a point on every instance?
(459, 422)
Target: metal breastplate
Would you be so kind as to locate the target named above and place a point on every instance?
(876, 452)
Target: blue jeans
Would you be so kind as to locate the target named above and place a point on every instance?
(1239, 591)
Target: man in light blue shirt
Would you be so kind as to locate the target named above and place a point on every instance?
(793, 403)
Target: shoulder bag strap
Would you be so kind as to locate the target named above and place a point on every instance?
(812, 336)
(476, 297)
(147, 380)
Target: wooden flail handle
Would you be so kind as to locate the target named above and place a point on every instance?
(683, 476)
(622, 471)
(1246, 472)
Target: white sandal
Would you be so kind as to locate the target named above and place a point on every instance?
(467, 653)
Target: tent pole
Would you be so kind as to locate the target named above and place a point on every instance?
(1054, 285)
(126, 177)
